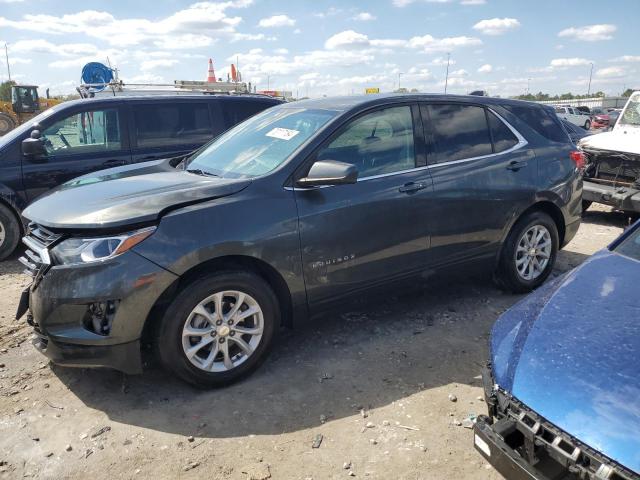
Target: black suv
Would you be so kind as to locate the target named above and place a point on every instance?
(82, 136)
(289, 212)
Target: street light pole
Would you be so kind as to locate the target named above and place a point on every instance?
(446, 80)
(399, 75)
(590, 75)
(6, 53)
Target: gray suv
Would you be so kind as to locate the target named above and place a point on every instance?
(288, 213)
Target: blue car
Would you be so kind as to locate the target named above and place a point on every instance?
(563, 384)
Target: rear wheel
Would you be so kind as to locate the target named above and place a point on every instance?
(587, 125)
(219, 328)
(529, 253)
(9, 232)
(6, 123)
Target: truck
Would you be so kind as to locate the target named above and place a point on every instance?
(573, 115)
(25, 104)
(612, 168)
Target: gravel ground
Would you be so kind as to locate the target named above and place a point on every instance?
(371, 386)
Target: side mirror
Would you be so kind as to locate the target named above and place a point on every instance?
(34, 145)
(329, 172)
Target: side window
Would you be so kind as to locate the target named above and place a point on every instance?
(503, 137)
(164, 124)
(376, 143)
(459, 132)
(559, 110)
(84, 132)
(540, 119)
(236, 111)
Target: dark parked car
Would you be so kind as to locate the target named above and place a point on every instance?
(288, 213)
(78, 137)
(562, 386)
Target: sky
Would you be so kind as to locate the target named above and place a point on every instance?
(332, 47)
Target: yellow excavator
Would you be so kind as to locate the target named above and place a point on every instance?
(25, 104)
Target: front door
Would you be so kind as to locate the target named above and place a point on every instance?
(76, 144)
(357, 235)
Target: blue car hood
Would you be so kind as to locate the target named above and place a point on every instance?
(571, 353)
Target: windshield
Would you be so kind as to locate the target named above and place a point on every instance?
(631, 245)
(631, 114)
(16, 132)
(260, 144)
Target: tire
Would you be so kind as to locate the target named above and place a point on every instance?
(9, 232)
(7, 123)
(508, 275)
(585, 205)
(207, 369)
(587, 125)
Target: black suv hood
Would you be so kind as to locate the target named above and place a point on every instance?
(127, 195)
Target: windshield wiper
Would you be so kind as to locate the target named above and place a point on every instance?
(198, 171)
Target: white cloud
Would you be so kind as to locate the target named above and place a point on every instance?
(159, 63)
(627, 59)
(569, 62)
(589, 33)
(347, 39)
(473, 2)
(496, 26)
(430, 44)
(486, 68)
(441, 62)
(277, 21)
(364, 17)
(44, 46)
(459, 73)
(611, 72)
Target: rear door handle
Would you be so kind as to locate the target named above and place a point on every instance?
(514, 165)
(412, 187)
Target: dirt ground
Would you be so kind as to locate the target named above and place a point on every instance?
(373, 384)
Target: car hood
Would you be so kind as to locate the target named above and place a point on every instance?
(126, 195)
(620, 139)
(571, 351)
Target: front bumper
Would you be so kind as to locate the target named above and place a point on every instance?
(93, 315)
(622, 198)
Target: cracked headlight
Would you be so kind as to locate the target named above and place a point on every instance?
(87, 250)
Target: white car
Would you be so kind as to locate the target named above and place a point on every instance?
(575, 116)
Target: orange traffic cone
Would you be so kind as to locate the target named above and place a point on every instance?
(211, 75)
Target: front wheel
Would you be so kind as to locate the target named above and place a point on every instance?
(9, 232)
(529, 253)
(219, 328)
(587, 125)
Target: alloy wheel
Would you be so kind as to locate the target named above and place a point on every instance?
(223, 331)
(533, 252)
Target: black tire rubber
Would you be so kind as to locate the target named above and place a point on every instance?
(587, 125)
(169, 335)
(585, 205)
(6, 123)
(11, 227)
(507, 276)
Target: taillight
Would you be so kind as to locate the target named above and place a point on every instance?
(578, 158)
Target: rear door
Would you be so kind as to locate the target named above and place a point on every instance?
(357, 235)
(77, 142)
(164, 129)
(483, 173)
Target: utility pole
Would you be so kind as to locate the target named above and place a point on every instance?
(446, 80)
(590, 75)
(399, 75)
(6, 53)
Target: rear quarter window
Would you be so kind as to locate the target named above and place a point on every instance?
(543, 121)
(164, 124)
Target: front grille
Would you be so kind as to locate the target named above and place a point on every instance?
(36, 257)
(547, 447)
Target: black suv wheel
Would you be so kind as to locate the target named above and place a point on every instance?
(219, 328)
(529, 253)
(9, 232)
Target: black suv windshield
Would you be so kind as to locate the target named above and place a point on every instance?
(630, 246)
(260, 144)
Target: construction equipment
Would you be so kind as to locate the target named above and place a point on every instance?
(25, 104)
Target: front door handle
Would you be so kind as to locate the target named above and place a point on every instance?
(515, 165)
(412, 187)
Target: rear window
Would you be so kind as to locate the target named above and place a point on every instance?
(459, 132)
(172, 124)
(541, 120)
(239, 110)
(503, 137)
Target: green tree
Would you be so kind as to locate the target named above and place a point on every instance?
(627, 92)
(5, 90)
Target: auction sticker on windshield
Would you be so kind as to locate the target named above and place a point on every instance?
(282, 133)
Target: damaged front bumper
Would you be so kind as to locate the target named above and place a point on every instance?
(521, 445)
(620, 197)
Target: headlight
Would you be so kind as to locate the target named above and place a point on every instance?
(87, 250)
